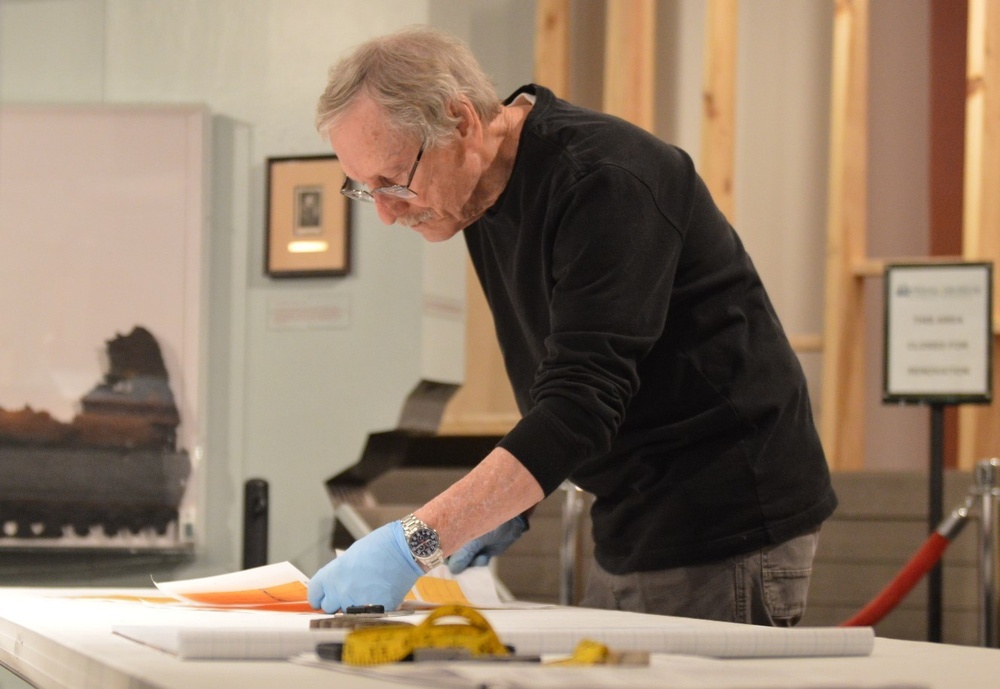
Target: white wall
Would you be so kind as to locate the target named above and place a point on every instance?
(305, 400)
(292, 406)
(310, 396)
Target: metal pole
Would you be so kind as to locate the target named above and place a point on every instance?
(572, 510)
(255, 509)
(934, 515)
(988, 488)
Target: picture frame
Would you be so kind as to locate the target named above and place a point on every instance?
(308, 219)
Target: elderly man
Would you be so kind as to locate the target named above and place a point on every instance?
(645, 356)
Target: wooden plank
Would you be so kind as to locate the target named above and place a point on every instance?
(979, 427)
(842, 400)
(949, 23)
(552, 46)
(982, 131)
(718, 111)
(875, 267)
(485, 403)
(806, 342)
(629, 65)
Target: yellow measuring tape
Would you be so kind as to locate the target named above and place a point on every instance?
(391, 643)
(587, 652)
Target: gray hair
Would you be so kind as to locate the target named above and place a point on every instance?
(413, 75)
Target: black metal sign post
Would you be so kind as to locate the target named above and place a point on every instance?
(935, 513)
(938, 352)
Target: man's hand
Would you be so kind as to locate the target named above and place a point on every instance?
(478, 551)
(378, 569)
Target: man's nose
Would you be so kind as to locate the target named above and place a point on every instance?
(389, 208)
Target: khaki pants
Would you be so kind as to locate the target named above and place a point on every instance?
(766, 587)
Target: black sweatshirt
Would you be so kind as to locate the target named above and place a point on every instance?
(647, 361)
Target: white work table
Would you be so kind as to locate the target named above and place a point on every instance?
(56, 638)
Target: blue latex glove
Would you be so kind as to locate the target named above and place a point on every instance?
(478, 551)
(377, 569)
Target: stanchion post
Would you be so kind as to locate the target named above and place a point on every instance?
(988, 487)
(935, 512)
(255, 511)
(572, 512)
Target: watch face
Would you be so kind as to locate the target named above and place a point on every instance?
(423, 542)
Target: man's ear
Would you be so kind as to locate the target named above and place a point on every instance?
(468, 121)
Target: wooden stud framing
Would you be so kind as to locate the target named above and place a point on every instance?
(552, 46)
(842, 399)
(718, 107)
(629, 53)
(979, 427)
(629, 90)
(484, 405)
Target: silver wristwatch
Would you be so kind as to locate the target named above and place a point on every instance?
(425, 546)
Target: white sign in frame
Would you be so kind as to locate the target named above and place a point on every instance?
(938, 333)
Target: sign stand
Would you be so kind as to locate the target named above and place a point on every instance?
(938, 352)
(935, 513)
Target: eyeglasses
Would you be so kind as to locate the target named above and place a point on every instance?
(394, 190)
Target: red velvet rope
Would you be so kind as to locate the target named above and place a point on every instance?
(897, 589)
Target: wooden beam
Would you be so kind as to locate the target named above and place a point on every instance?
(806, 342)
(982, 143)
(875, 267)
(484, 405)
(629, 52)
(842, 399)
(552, 46)
(718, 106)
(979, 427)
(949, 27)
(949, 24)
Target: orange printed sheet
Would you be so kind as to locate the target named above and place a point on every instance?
(434, 591)
(282, 587)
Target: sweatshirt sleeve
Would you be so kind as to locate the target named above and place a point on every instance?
(614, 255)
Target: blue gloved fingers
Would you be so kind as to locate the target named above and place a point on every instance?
(478, 551)
(315, 592)
(377, 569)
(464, 556)
(324, 593)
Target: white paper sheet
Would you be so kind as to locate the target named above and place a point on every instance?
(535, 632)
(664, 672)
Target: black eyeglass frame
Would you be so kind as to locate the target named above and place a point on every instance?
(399, 191)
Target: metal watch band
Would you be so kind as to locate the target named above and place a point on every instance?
(412, 525)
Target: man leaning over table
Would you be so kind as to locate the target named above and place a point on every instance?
(646, 358)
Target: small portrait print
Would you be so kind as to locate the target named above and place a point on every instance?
(308, 221)
(308, 210)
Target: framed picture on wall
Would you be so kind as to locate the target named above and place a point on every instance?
(308, 220)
